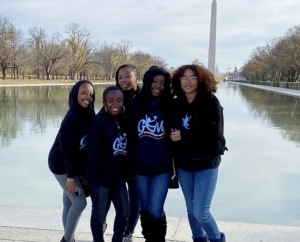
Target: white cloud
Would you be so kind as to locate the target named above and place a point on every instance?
(178, 31)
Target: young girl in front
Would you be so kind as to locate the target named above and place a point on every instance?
(151, 149)
(198, 132)
(106, 167)
(68, 156)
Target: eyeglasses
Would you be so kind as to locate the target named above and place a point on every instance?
(191, 79)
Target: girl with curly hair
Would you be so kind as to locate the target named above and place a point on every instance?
(198, 131)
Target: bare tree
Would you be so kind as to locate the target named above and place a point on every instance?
(19, 52)
(81, 48)
(7, 34)
(52, 52)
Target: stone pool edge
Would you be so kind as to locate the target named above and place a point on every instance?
(38, 224)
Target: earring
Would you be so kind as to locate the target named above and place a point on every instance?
(123, 110)
(105, 109)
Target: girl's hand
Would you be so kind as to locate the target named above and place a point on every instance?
(70, 185)
(175, 135)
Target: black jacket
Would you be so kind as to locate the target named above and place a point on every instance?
(150, 145)
(107, 151)
(202, 126)
(126, 123)
(68, 154)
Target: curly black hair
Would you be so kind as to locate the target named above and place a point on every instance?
(205, 78)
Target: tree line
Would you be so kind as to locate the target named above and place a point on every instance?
(73, 54)
(278, 60)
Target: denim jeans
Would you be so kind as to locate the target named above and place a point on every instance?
(153, 192)
(100, 196)
(135, 207)
(198, 189)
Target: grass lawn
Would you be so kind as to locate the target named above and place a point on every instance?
(219, 78)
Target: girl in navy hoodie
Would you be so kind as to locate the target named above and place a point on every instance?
(127, 78)
(150, 147)
(198, 123)
(68, 156)
(106, 167)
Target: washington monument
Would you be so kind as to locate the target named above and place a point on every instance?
(212, 38)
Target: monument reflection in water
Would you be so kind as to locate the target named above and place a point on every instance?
(258, 178)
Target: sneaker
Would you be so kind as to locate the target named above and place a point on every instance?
(104, 227)
(127, 239)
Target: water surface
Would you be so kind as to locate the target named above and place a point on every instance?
(258, 178)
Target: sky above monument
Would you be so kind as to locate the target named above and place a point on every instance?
(178, 31)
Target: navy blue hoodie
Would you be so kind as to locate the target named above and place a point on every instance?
(68, 154)
(107, 151)
(150, 146)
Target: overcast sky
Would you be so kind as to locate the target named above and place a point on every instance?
(178, 31)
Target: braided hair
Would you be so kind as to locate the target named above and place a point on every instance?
(132, 67)
(112, 88)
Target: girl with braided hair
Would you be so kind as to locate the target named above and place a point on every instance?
(107, 151)
(127, 78)
(150, 147)
(197, 118)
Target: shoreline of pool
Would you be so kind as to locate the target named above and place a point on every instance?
(284, 91)
(22, 224)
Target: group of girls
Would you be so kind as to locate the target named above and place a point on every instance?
(125, 153)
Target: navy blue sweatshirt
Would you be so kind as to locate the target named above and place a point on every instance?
(201, 127)
(68, 154)
(107, 151)
(150, 146)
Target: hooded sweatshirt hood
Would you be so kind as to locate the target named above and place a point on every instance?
(68, 154)
(74, 104)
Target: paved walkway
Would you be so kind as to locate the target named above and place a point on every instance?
(285, 91)
(44, 225)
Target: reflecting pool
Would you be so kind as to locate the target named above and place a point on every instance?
(258, 178)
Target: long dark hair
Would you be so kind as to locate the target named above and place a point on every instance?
(165, 98)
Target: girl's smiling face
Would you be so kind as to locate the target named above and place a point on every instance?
(113, 102)
(127, 79)
(85, 95)
(189, 81)
(158, 85)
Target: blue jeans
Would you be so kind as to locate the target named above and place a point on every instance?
(198, 189)
(153, 191)
(100, 196)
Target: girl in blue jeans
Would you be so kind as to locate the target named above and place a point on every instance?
(106, 167)
(198, 131)
(150, 147)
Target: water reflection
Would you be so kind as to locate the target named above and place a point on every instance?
(38, 107)
(278, 110)
(257, 180)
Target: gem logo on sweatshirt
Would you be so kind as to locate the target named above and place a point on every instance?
(185, 122)
(119, 145)
(83, 143)
(151, 128)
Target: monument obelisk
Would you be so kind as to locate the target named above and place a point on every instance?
(212, 38)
